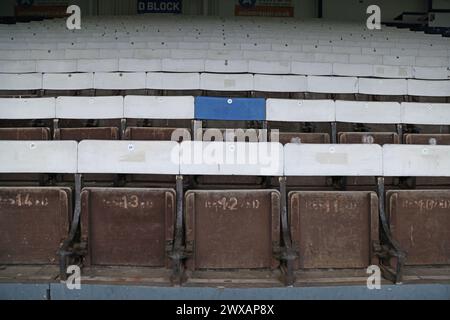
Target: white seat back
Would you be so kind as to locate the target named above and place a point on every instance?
(38, 157)
(128, 157)
(26, 81)
(426, 113)
(368, 112)
(429, 88)
(70, 81)
(173, 81)
(89, 107)
(288, 110)
(33, 108)
(383, 86)
(332, 160)
(141, 107)
(416, 161)
(277, 83)
(231, 158)
(332, 84)
(119, 80)
(226, 82)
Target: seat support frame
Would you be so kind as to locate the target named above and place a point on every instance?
(388, 249)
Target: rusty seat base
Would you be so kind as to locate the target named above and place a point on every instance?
(157, 277)
(427, 274)
(332, 277)
(28, 273)
(242, 278)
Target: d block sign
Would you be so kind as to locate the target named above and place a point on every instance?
(159, 6)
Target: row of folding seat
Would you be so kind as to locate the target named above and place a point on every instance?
(224, 158)
(179, 25)
(89, 46)
(225, 41)
(225, 119)
(237, 229)
(214, 108)
(223, 82)
(229, 50)
(433, 68)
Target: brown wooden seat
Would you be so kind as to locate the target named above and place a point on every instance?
(420, 222)
(380, 138)
(158, 134)
(429, 139)
(34, 222)
(232, 229)
(301, 137)
(334, 229)
(79, 134)
(127, 227)
(24, 133)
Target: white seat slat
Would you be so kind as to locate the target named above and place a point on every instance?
(20, 66)
(115, 54)
(81, 53)
(332, 160)
(231, 158)
(429, 88)
(33, 108)
(376, 50)
(183, 65)
(269, 67)
(365, 59)
(26, 81)
(97, 65)
(136, 65)
(331, 57)
(332, 84)
(128, 157)
(399, 60)
(383, 86)
(431, 73)
(6, 54)
(173, 81)
(119, 80)
(288, 110)
(368, 112)
(150, 53)
(68, 81)
(425, 113)
(275, 83)
(226, 82)
(416, 161)
(401, 72)
(224, 46)
(140, 107)
(313, 68)
(57, 66)
(432, 61)
(226, 66)
(353, 70)
(188, 54)
(89, 107)
(38, 157)
(48, 54)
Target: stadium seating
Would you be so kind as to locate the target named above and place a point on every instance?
(336, 136)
